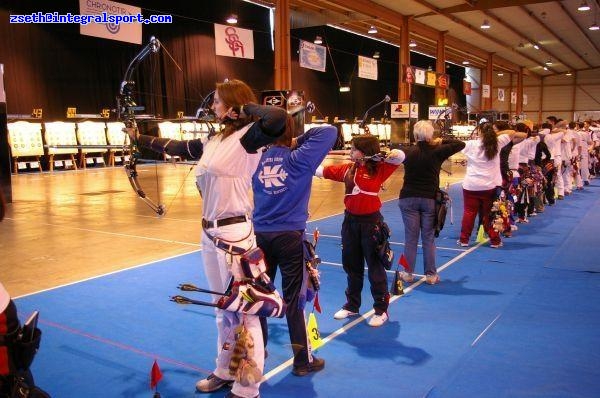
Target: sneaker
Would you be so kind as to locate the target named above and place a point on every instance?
(461, 244)
(212, 383)
(378, 319)
(311, 367)
(432, 279)
(496, 245)
(523, 220)
(344, 313)
(586, 183)
(513, 227)
(560, 197)
(533, 214)
(407, 277)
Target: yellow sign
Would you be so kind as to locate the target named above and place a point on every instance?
(105, 113)
(312, 330)
(37, 113)
(71, 113)
(179, 115)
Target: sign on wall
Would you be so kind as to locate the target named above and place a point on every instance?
(402, 110)
(367, 68)
(127, 32)
(231, 41)
(485, 91)
(312, 56)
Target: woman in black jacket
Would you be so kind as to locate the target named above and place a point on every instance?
(422, 167)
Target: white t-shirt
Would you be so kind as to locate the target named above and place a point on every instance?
(224, 176)
(482, 174)
(4, 298)
(566, 145)
(552, 141)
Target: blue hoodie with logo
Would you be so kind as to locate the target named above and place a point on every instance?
(282, 182)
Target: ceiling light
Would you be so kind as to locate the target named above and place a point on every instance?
(465, 62)
(376, 55)
(485, 24)
(232, 19)
(594, 27)
(568, 73)
(372, 30)
(500, 74)
(549, 62)
(536, 46)
(584, 6)
(344, 89)
(318, 40)
(412, 43)
(545, 68)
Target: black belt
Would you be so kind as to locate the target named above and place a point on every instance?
(222, 222)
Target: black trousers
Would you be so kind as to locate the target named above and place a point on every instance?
(285, 250)
(359, 241)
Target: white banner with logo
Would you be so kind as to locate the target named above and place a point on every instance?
(513, 97)
(128, 32)
(402, 110)
(312, 56)
(524, 99)
(436, 111)
(367, 68)
(501, 94)
(231, 41)
(485, 91)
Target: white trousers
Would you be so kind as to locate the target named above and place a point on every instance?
(219, 267)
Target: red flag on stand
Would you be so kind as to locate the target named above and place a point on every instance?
(155, 375)
(317, 304)
(402, 261)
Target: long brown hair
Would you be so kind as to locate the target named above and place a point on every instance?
(235, 93)
(286, 138)
(489, 140)
(369, 146)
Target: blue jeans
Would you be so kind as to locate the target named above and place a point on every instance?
(418, 215)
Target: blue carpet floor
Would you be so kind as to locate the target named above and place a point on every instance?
(520, 321)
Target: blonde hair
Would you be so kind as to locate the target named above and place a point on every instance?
(423, 130)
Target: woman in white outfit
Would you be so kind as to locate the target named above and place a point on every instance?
(227, 161)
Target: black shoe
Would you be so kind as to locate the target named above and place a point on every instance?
(314, 366)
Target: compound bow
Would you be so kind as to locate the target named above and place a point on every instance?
(126, 108)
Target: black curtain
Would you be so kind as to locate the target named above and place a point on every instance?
(52, 66)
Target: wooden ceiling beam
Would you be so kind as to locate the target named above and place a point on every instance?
(474, 30)
(531, 40)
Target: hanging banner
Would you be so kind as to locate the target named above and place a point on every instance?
(419, 76)
(430, 78)
(466, 87)
(367, 68)
(312, 56)
(485, 91)
(127, 32)
(409, 74)
(524, 99)
(436, 111)
(231, 41)
(513, 97)
(443, 80)
(501, 94)
(404, 110)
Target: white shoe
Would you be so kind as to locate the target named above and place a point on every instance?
(432, 279)
(343, 314)
(378, 320)
(407, 277)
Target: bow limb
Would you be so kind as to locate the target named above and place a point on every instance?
(126, 108)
